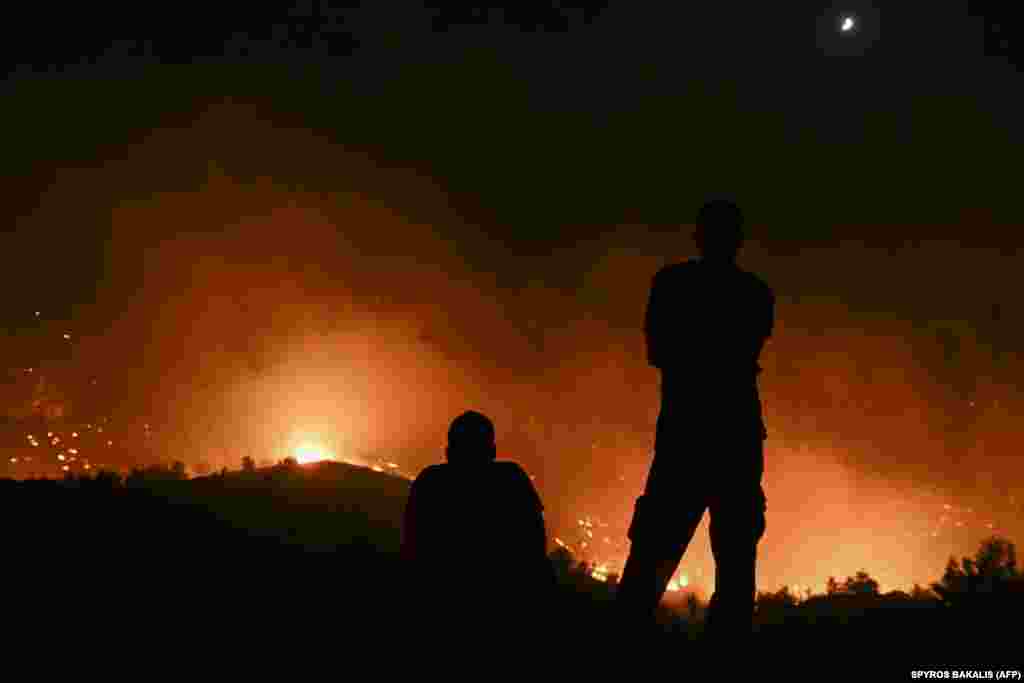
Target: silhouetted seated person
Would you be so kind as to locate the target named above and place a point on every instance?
(705, 325)
(474, 533)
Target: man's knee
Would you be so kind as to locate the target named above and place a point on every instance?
(760, 526)
(738, 525)
(647, 555)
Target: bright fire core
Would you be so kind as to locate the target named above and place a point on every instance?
(308, 451)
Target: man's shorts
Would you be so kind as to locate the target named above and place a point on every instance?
(672, 520)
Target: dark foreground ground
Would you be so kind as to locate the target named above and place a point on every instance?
(278, 559)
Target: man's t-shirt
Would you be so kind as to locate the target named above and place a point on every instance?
(705, 326)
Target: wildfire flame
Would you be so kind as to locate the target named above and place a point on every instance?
(308, 451)
(676, 585)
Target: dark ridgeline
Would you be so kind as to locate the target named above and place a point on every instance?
(473, 529)
(221, 561)
(705, 325)
(307, 557)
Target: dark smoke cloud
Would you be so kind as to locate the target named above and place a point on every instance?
(261, 283)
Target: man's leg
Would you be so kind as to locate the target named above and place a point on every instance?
(645, 578)
(658, 544)
(661, 528)
(737, 525)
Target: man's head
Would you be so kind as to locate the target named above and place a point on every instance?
(471, 439)
(719, 233)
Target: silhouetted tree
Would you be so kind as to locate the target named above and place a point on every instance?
(178, 471)
(919, 592)
(896, 596)
(108, 479)
(997, 557)
(691, 606)
(861, 584)
(783, 597)
(991, 570)
(583, 568)
(248, 464)
(562, 561)
(135, 477)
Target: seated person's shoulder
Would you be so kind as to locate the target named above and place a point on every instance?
(510, 469)
(512, 475)
(430, 474)
(673, 270)
(756, 283)
(675, 276)
(753, 279)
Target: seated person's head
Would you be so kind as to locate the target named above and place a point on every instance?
(471, 439)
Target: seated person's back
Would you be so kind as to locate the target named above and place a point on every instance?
(488, 510)
(475, 521)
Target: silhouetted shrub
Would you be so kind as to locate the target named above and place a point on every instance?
(992, 571)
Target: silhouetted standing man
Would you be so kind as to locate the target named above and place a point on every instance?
(705, 326)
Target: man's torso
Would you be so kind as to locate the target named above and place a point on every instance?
(710, 323)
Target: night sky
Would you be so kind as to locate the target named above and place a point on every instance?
(358, 223)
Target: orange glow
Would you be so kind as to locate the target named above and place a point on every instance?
(853, 395)
(900, 535)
